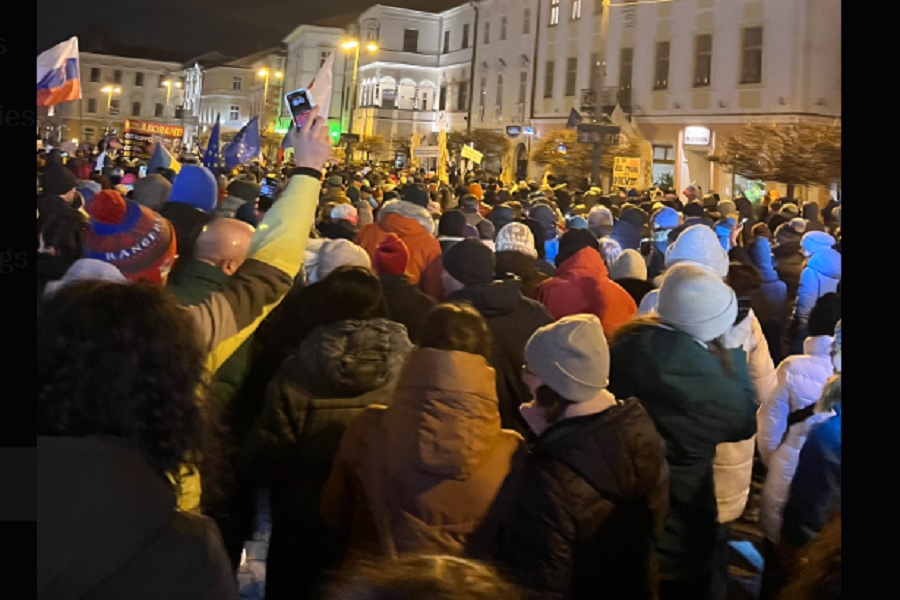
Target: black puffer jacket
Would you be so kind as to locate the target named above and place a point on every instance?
(590, 508)
(339, 370)
(512, 318)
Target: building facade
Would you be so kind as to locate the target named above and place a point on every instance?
(116, 88)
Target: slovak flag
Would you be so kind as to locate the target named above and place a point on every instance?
(58, 74)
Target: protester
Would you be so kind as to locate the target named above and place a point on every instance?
(152, 191)
(517, 257)
(434, 472)
(629, 270)
(341, 367)
(406, 303)
(190, 206)
(241, 190)
(699, 394)
(821, 274)
(511, 317)
(595, 491)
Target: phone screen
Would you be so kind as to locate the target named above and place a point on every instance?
(300, 102)
(142, 171)
(269, 188)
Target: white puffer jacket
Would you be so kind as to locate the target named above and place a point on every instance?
(800, 379)
(733, 463)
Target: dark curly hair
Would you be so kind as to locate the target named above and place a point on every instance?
(124, 361)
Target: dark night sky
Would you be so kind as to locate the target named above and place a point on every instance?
(233, 27)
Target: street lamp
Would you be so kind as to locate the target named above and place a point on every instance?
(265, 103)
(168, 84)
(354, 45)
(109, 91)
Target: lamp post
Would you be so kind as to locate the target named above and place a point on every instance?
(354, 45)
(109, 91)
(265, 100)
(168, 83)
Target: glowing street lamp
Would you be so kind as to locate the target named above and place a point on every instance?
(354, 45)
(265, 74)
(109, 91)
(168, 83)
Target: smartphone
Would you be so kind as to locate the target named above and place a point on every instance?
(300, 102)
(269, 188)
(142, 171)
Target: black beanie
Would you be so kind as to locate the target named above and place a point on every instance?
(58, 180)
(693, 209)
(470, 261)
(417, 194)
(574, 240)
(452, 223)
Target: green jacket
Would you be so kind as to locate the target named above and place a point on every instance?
(192, 285)
(695, 405)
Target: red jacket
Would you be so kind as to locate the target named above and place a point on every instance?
(582, 285)
(423, 246)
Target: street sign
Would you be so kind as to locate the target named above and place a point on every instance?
(351, 138)
(427, 151)
(595, 133)
(472, 154)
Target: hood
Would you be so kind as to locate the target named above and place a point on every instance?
(407, 210)
(787, 249)
(628, 234)
(445, 416)
(827, 262)
(99, 504)
(810, 211)
(760, 252)
(546, 216)
(494, 299)
(195, 186)
(152, 191)
(818, 345)
(587, 262)
(353, 357)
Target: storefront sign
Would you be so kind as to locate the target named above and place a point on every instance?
(139, 138)
(696, 136)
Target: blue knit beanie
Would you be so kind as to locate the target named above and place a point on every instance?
(195, 186)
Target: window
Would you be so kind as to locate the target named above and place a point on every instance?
(751, 55)
(117, 76)
(526, 21)
(465, 40)
(571, 75)
(237, 82)
(554, 12)
(576, 10)
(95, 75)
(626, 67)
(446, 42)
(499, 102)
(487, 32)
(502, 28)
(88, 133)
(523, 86)
(234, 112)
(664, 153)
(92, 105)
(158, 110)
(389, 98)
(598, 7)
(323, 56)
(661, 75)
(462, 95)
(410, 40)
(114, 106)
(702, 60)
(139, 79)
(162, 79)
(548, 79)
(442, 99)
(135, 109)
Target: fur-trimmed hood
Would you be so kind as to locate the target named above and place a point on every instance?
(409, 210)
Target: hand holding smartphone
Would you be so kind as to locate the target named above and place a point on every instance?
(300, 103)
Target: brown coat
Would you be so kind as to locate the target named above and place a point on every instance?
(433, 473)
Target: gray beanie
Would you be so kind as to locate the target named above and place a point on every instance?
(629, 265)
(693, 300)
(571, 356)
(698, 245)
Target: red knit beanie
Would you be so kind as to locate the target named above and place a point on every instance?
(391, 256)
(134, 238)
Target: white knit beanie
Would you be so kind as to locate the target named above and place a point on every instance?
(629, 265)
(571, 356)
(516, 237)
(699, 245)
(693, 300)
(338, 253)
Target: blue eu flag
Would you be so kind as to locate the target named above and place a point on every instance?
(245, 145)
(212, 158)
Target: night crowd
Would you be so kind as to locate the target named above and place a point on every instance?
(460, 389)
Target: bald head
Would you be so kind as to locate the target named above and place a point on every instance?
(224, 243)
